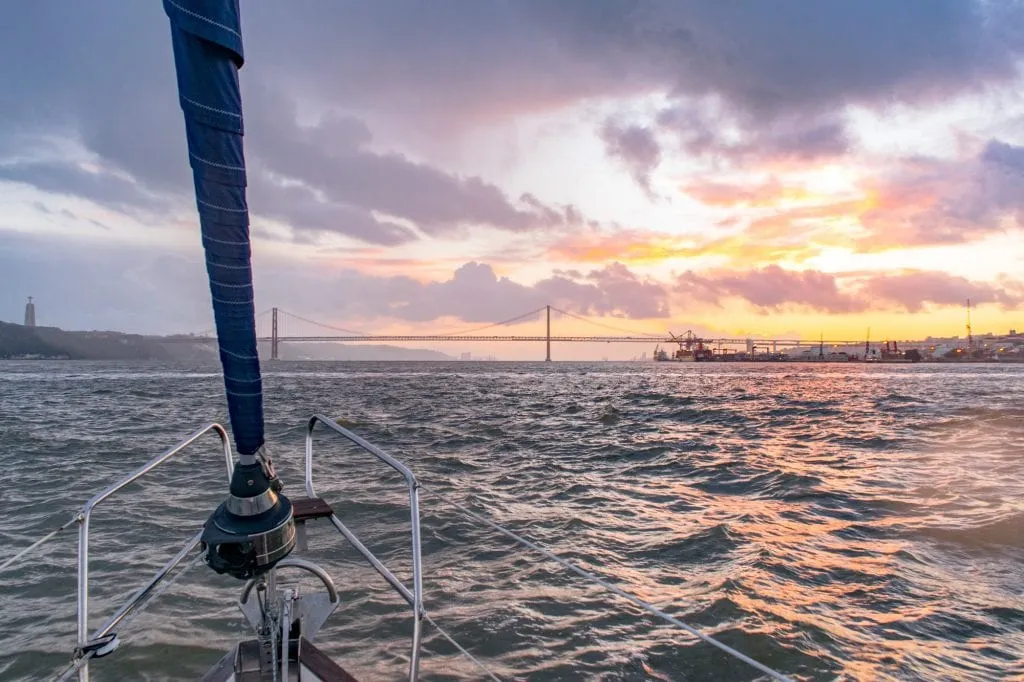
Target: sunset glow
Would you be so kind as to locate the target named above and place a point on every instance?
(723, 193)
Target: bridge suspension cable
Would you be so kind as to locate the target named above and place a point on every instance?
(517, 318)
(350, 332)
(606, 326)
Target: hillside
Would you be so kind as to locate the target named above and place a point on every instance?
(354, 352)
(17, 341)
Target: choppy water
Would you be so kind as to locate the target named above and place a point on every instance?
(839, 522)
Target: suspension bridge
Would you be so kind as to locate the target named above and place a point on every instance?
(276, 326)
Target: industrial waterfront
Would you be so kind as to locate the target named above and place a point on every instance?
(993, 348)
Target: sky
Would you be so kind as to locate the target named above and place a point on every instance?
(776, 169)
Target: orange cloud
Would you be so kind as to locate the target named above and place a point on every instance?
(761, 195)
(792, 235)
(632, 246)
(910, 203)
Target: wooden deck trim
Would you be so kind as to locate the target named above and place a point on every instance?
(320, 664)
(308, 508)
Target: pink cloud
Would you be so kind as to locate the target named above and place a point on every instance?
(775, 289)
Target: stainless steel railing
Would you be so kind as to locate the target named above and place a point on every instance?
(84, 641)
(415, 596)
(102, 641)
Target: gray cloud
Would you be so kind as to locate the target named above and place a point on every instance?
(636, 147)
(1002, 176)
(71, 179)
(789, 56)
(703, 129)
(444, 66)
(300, 206)
(780, 72)
(116, 97)
(332, 157)
(481, 59)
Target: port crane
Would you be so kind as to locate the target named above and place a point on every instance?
(691, 347)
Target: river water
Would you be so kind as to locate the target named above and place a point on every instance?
(834, 522)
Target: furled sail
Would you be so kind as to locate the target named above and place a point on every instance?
(206, 36)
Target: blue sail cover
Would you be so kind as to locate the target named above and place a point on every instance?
(207, 40)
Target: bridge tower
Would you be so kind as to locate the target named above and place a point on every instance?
(548, 358)
(273, 334)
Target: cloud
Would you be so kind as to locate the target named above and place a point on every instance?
(332, 162)
(320, 178)
(137, 289)
(446, 67)
(476, 294)
(792, 235)
(1003, 176)
(299, 206)
(467, 62)
(332, 89)
(914, 289)
(631, 246)
(897, 204)
(707, 129)
(636, 147)
(771, 288)
(612, 291)
(930, 201)
(768, 193)
(75, 179)
(115, 99)
(793, 56)
(774, 289)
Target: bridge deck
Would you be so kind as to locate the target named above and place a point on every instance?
(760, 343)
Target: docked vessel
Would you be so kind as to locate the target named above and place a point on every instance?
(811, 355)
(893, 355)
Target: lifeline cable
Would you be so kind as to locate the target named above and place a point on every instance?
(647, 606)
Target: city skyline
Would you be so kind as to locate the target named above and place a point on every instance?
(771, 171)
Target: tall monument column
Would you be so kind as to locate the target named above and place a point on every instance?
(30, 313)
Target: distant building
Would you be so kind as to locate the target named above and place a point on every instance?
(30, 313)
